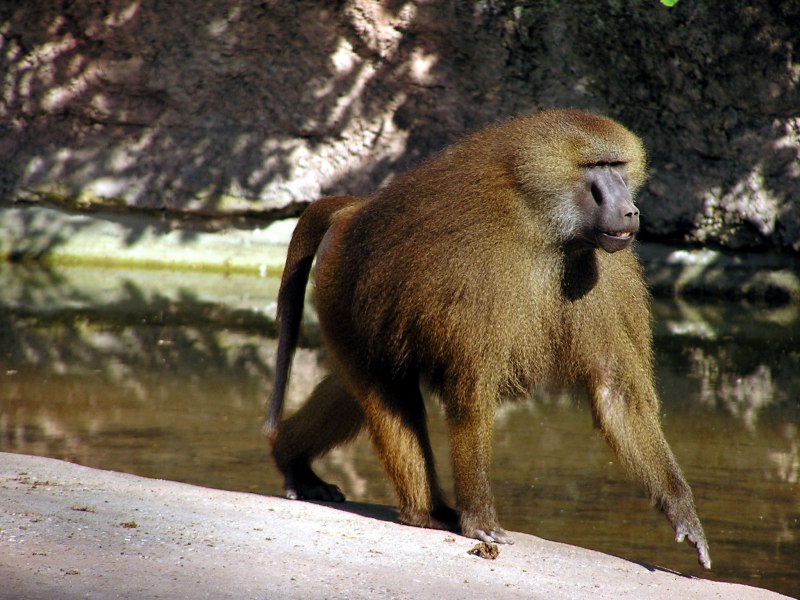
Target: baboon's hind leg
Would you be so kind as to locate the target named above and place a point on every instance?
(397, 423)
(330, 417)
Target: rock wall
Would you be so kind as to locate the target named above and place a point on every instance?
(215, 107)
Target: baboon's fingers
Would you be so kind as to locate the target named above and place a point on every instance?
(700, 544)
(493, 536)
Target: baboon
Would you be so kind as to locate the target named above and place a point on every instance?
(501, 264)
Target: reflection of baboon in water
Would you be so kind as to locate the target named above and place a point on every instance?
(501, 264)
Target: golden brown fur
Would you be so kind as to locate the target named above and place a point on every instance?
(501, 264)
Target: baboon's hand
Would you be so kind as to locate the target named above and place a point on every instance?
(680, 511)
(695, 536)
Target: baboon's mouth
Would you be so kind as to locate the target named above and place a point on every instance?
(612, 241)
(623, 235)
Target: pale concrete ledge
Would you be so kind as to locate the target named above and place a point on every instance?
(73, 532)
(58, 237)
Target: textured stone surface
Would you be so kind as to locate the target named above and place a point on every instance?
(219, 107)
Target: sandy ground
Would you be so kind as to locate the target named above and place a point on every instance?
(73, 532)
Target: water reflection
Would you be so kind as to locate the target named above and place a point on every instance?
(166, 377)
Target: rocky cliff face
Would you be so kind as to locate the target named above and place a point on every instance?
(219, 107)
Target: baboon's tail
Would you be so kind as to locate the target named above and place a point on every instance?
(307, 236)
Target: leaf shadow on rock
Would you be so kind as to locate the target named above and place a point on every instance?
(257, 108)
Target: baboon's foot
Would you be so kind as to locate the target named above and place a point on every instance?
(302, 483)
(442, 517)
(483, 528)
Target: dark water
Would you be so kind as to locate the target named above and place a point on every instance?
(167, 376)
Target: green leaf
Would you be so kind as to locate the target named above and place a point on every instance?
(669, 3)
